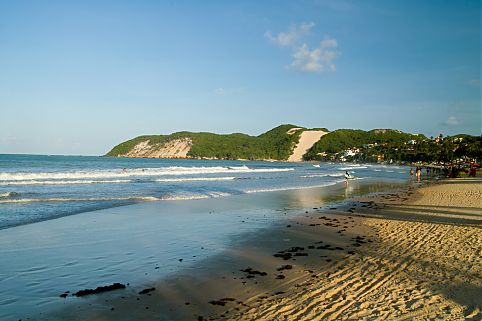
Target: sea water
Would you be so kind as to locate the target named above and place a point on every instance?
(136, 218)
(37, 187)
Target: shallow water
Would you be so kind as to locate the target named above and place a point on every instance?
(125, 244)
(37, 187)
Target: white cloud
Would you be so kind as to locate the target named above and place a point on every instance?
(319, 59)
(292, 36)
(452, 121)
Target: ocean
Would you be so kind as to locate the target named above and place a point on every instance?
(140, 220)
(35, 188)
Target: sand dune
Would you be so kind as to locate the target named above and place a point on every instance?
(307, 139)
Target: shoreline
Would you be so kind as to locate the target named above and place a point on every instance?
(366, 260)
(133, 244)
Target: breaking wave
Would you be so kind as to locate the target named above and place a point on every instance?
(194, 179)
(9, 194)
(87, 199)
(352, 167)
(64, 182)
(120, 173)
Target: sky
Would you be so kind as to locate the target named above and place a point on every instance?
(78, 77)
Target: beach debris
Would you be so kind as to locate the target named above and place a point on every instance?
(358, 241)
(145, 291)
(100, 289)
(252, 273)
(295, 249)
(325, 247)
(284, 267)
(287, 254)
(65, 294)
(222, 302)
(283, 255)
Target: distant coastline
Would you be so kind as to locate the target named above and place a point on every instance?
(295, 144)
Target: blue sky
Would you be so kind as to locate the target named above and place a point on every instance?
(77, 77)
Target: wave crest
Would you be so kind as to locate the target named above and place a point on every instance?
(119, 173)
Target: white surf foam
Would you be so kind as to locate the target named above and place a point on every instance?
(64, 182)
(9, 194)
(352, 167)
(194, 179)
(162, 171)
(53, 200)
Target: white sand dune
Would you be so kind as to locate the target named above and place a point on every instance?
(307, 139)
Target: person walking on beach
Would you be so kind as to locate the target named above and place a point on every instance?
(411, 172)
(418, 173)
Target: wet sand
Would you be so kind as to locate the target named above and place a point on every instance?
(424, 263)
(410, 255)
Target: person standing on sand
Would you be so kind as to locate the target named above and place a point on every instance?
(418, 173)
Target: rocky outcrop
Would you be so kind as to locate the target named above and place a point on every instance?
(174, 148)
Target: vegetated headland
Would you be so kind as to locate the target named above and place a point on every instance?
(295, 143)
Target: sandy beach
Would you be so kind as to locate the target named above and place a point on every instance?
(410, 255)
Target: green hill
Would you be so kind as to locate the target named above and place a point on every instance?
(343, 139)
(278, 144)
(274, 144)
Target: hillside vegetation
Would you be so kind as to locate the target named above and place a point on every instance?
(391, 145)
(343, 139)
(275, 144)
(375, 145)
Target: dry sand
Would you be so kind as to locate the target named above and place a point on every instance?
(307, 139)
(425, 263)
(411, 255)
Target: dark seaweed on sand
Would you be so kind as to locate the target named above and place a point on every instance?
(100, 289)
